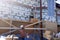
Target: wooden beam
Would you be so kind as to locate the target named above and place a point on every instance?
(41, 26)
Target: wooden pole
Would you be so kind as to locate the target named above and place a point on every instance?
(41, 31)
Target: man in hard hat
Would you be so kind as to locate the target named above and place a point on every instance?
(22, 32)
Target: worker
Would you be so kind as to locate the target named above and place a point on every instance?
(58, 35)
(33, 20)
(22, 32)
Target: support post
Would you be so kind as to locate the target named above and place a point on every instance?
(41, 31)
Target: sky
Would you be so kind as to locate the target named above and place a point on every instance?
(58, 1)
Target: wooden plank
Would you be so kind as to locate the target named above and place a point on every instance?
(3, 24)
(52, 26)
